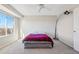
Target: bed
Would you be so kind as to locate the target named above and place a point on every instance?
(37, 41)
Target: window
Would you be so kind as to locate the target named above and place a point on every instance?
(9, 24)
(2, 24)
(6, 24)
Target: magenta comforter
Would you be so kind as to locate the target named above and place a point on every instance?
(38, 37)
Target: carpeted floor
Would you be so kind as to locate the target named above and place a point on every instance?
(18, 48)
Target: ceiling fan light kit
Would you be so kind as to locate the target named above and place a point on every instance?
(67, 12)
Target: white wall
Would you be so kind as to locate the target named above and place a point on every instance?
(65, 29)
(38, 24)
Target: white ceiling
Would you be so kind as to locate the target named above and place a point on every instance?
(51, 9)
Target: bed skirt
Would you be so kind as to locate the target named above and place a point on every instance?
(37, 44)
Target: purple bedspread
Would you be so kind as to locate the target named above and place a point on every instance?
(38, 37)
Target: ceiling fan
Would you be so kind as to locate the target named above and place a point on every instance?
(42, 6)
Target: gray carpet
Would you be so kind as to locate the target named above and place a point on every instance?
(18, 48)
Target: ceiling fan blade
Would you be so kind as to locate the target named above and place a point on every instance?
(39, 9)
(41, 6)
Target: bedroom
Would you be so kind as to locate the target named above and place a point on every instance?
(49, 19)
